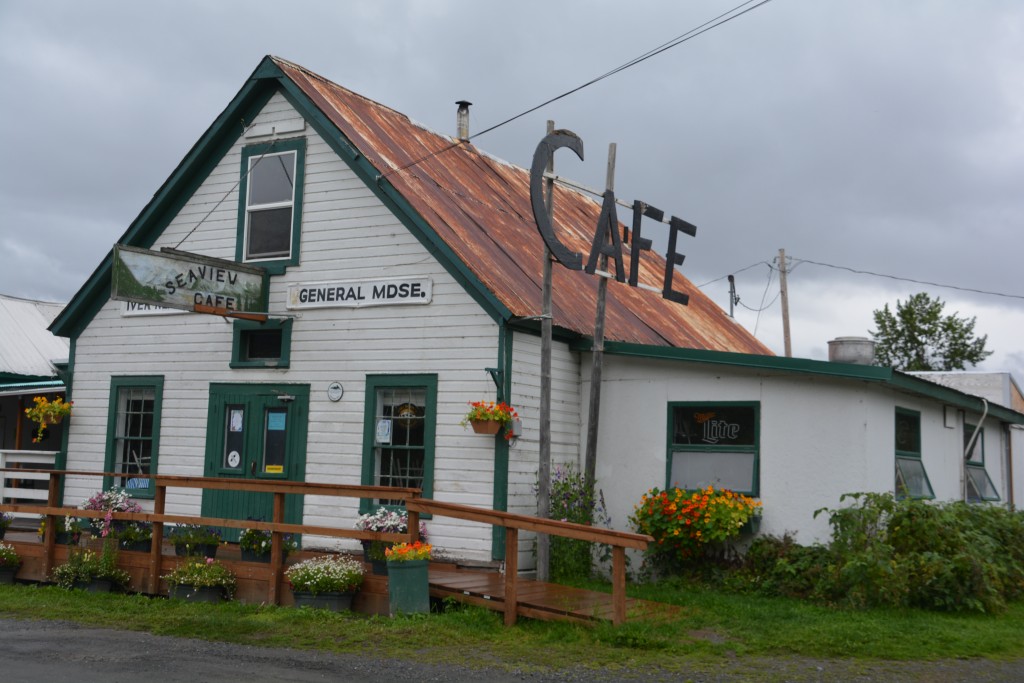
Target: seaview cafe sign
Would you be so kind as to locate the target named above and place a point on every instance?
(189, 282)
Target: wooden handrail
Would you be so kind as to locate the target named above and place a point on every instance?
(619, 540)
(512, 522)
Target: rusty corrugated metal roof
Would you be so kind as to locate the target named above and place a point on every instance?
(480, 208)
(26, 346)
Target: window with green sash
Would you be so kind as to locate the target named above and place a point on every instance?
(979, 485)
(911, 477)
(400, 423)
(714, 444)
(133, 433)
(261, 345)
(270, 204)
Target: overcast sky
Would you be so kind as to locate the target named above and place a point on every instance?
(878, 136)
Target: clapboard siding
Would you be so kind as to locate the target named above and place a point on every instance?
(347, 234)
(565, 424)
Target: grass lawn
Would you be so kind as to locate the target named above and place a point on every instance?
(710, 625)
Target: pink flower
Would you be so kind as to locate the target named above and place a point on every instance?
(209, 560)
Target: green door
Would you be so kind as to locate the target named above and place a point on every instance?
(255, 431)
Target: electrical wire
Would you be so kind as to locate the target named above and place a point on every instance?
(678, 40)
(757, 320)
(907, 279)
(735, 272)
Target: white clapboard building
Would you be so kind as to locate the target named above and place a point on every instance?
(403, 276)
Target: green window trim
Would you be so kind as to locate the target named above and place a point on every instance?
(242, 328)
(273, 266)
(909, 465)
(750, 448)
(118, 415)
(427, 383)
(979, 485)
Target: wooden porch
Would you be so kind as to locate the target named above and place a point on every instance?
(261, 582)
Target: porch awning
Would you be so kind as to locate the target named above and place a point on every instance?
(21, 388)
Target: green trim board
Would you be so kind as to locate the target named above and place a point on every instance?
(428, 384)
(134, 429)
(501, 445)
(264, 150)
(867, 373)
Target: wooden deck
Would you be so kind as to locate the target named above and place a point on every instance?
(536, 600)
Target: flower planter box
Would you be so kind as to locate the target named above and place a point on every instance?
(335, 602)
(485, 426)
(207, 550)
(7, 574)
(379, 567)
(252, 556)
(208, 594)
(95, 586)
(137, 546)
(408, 587)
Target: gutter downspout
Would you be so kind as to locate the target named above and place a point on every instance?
(969, 448)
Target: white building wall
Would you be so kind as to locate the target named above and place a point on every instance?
(819, 438)
(347, 234)
(565, 425)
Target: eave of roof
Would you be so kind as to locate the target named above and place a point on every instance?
(867, 373)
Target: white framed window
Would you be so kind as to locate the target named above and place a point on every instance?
(270, 204)
(979, 485)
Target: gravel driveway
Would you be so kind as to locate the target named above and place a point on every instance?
(64, 652)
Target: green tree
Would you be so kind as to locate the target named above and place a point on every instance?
(919, 337)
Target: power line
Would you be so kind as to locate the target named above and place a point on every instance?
(678, 40)
(907, 279)
(735, 272)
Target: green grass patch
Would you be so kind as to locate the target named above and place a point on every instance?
(708, 625)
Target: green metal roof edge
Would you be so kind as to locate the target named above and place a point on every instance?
(196, 166)
(193, 169)
(391, 198)
(40, 384)
(867, 373)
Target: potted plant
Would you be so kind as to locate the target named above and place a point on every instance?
(113, 500)
(69, 530)
(327, 582)
(255, 545)
(201, 580)
(5, 522)
(408, 585)
(386, 521)
(136, 536)
(488, 417)
(9, 563)
(193, 539)
(46, 412)
(92, 571)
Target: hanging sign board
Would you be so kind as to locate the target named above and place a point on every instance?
(177, 279)
(361, 293)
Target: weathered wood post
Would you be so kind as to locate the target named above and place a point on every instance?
(276, 551)
(50, 538)
(511, 575)
(156, 550)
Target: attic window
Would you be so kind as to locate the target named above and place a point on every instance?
(270, 204)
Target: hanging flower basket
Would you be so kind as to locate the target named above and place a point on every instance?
(485, 426)
(46, 412)
(487, 417)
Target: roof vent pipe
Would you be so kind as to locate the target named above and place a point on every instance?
(462, 120)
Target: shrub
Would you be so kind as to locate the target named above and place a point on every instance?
(573, 501)
(781, 566)
(944, 556)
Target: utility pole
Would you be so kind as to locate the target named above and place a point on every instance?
(732, 295)
(544, 458)
(784, 294)
(597, 367)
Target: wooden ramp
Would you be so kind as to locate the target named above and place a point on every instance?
(537, 600)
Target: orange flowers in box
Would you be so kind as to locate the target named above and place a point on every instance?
(406, 552)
